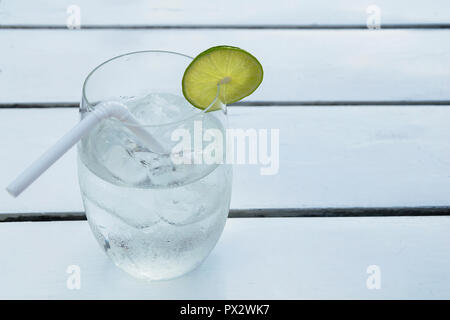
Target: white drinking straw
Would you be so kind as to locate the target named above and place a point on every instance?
(104, 110)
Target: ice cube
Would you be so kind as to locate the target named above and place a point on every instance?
(112, 149)
(161, 108)
(122, 166)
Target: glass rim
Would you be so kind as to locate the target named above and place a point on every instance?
(188, 117)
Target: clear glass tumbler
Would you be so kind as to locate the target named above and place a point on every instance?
(155, 218)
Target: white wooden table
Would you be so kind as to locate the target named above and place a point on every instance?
(364, 122)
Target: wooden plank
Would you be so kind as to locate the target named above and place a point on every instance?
(329, 157)
(300, 65)
(232, 12)
(309, 258)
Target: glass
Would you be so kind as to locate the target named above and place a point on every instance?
(154, 217)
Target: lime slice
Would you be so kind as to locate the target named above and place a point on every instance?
(236, 71)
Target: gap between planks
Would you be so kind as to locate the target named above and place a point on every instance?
(231, 27)
(262, 213)
(44, 105)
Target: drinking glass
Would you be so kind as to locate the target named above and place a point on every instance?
(155, 217)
